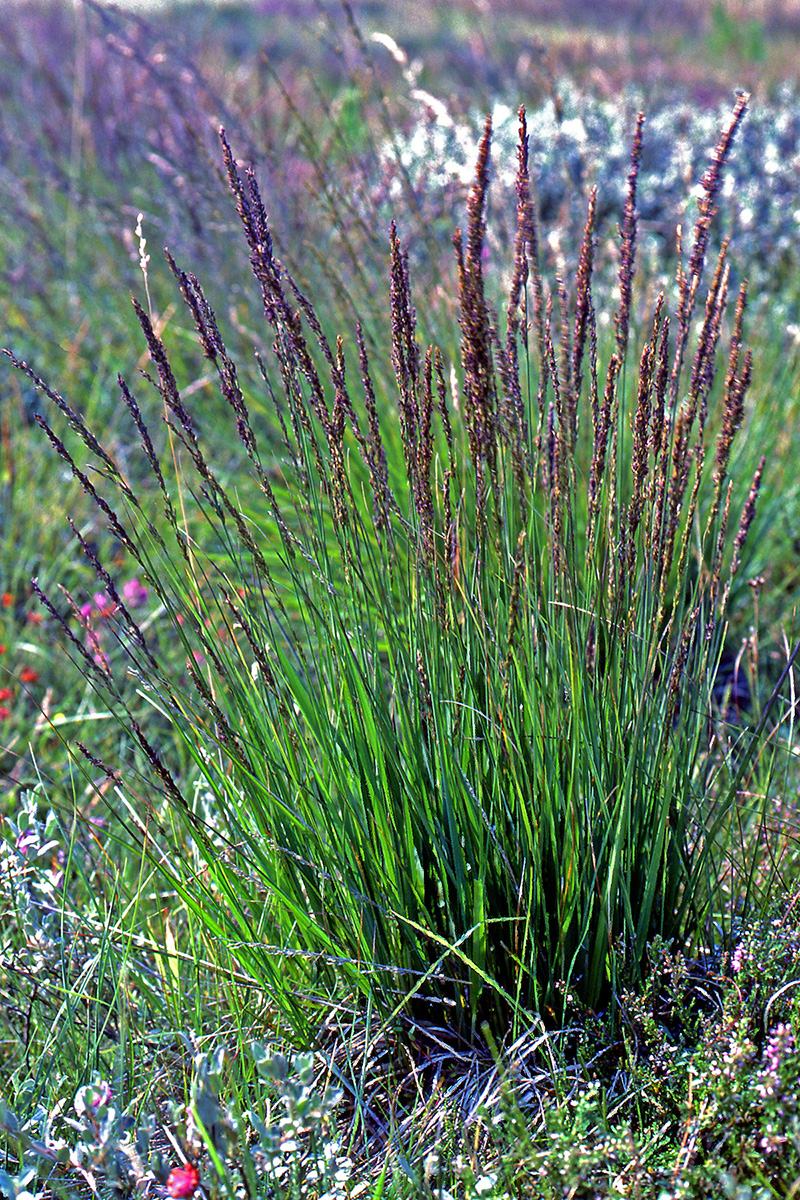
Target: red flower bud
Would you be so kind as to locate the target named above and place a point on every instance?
(183, 1181)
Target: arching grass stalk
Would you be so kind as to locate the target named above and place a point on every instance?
(450, 712)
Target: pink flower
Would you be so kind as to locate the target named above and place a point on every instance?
(100, 660)
(25, 840)
(91, 1098)
(105, 607)
(135, 593)
(100, 1096)
(183, 1181)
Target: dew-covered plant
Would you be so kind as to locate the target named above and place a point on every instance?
(288, 1146)
(577, 140)
(32, 859)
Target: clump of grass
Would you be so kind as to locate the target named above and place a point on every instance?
(449, 668)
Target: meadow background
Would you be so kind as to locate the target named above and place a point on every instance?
(155, 994)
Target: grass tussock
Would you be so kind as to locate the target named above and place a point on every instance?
(458, 719)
